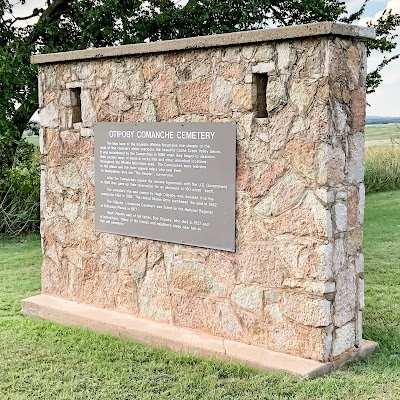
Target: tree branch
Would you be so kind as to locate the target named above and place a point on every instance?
(374, 78)
(355, 16)
(55, 10)
(35, 13)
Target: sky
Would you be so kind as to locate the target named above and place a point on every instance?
(384, 102)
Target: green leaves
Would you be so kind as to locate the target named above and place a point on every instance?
(79, 24)
(374, 78)
(385, 27)
(294, 12)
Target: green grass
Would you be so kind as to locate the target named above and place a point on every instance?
(382, 157)
(382, 134)
(42, 360)
(382, 168)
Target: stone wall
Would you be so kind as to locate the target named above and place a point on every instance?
(295, 283)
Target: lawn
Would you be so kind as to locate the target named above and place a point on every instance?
(382, 134)
(42, 360)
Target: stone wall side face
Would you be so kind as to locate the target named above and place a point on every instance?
(348, 74)
(295, 283)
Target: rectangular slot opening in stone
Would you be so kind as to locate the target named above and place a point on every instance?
(260, 95)
(76, 105)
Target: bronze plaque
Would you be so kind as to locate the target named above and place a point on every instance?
(167, 181)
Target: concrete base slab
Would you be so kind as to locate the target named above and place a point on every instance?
(181, 339)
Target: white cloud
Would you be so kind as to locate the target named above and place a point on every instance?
(393, 5)
(24, 10)
(353, 5)
(181, 3)
(384, 102)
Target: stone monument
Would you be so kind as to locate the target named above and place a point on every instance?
(281, 284)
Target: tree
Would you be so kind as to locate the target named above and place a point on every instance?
(78, 24)
(384, 43)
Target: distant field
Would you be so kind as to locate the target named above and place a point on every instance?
(382, 134)
(32, 139)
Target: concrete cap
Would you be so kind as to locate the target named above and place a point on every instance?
(221, 40)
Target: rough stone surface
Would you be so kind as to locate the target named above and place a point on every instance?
(192, 277)
(356, 158)
(283, 196)
(167, 108)
(154, 299)
(344, 339)
(309, 311)
(248, 297)
(49, 116)
(189, 311)
(195, 96)
(346, 294)
(295, 283)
